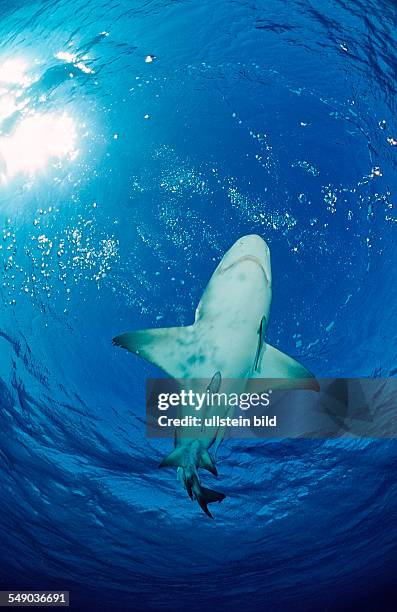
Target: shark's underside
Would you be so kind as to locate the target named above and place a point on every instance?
(226, 341)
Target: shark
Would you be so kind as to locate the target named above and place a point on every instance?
(226, 341)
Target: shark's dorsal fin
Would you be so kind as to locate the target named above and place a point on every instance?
(170, 348)
(275, 364)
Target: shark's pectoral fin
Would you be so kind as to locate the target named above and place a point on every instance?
(170, 348)
(272, 363)
(275, 364)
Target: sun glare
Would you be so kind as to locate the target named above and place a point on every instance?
(13, 72)
(71, 58)
(36, 140)
(8, 105)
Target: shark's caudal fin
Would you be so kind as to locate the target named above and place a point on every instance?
(179, 458)
(203, 495)
(170, 348)
(190, 479)
(275, 364)
(207, 496)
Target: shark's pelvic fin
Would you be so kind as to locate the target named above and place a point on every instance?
(176, 458)
(169, 348)
(275, 364)
(207, 463)
(180, 458)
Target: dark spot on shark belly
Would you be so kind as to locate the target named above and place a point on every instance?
(195, 359)
(247, 258)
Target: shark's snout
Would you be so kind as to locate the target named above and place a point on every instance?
(249, 248)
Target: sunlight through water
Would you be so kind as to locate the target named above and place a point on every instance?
(14, 72)
(36, 138)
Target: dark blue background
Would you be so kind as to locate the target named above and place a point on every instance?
(265, 117)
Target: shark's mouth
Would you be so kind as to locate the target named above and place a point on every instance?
(253, 258)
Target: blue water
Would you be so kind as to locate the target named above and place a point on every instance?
(138, 140)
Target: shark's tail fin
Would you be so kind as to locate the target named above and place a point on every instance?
(201, 494)
(207, 496)
(188, 459)
(190, 479)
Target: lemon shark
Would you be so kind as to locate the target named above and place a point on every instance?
(226, 341)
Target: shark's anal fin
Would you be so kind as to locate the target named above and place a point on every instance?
(169, 348)
(275, 364)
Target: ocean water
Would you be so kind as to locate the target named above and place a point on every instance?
(139, 140)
